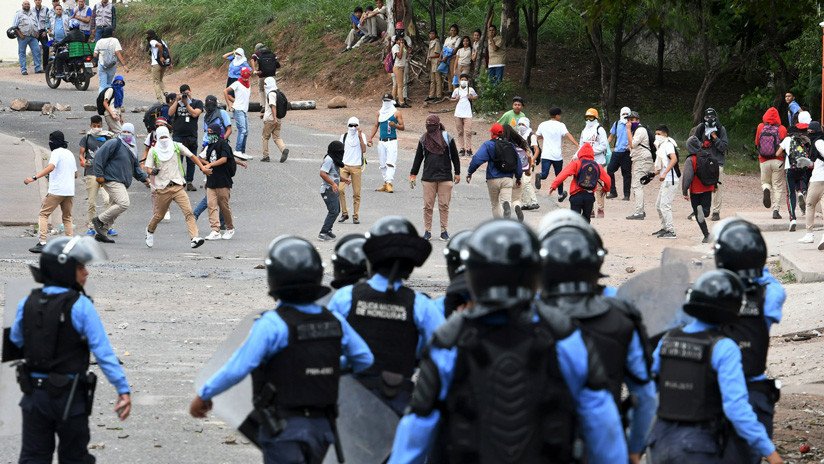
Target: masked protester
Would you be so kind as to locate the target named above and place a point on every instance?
(620, 154)
(640, 145)
(115, 164)
(596, 136)
(713, 137)
(815, 192)
(392, 318)
(55, 331)
(214, 115)
(330, 173)
(529, 200)
(237, 61)
(701, 382)
(304, 371)
(464, 95)
(354, 162)
(89, 144)
(271, 122)
(389, 121)
(219, 183)
(669, 176)
(796, 149)
(500, 180)
(113, 104)
(695, 189)
(237, 98)
(503, 381)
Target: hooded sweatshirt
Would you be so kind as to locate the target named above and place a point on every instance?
(772, 118)
(571, 169)
(689, 181)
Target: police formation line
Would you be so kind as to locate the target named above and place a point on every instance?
(523, 360)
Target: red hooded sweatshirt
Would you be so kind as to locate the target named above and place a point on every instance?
(572, 170)
(770, 117)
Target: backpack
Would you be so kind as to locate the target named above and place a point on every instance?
(109, 60)
(164, 57)
(282, 105)
(151, 115)
(650, 141)
(389, 63)
(231, 165)
(588, 175)
(505, 157)
(768, 141)
(268, 64)
(101, 110)
(706, 168)
(799, 148)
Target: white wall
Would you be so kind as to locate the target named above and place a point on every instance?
(8, 47)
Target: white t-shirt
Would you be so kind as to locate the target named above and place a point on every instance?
(271, 100)
(662, 159)
(553, 133)
(106, 47)
(464, 107)
(153, 46)
(400, 59)
(61, 180)
(818, 167)
(241, 96)
(352, 155)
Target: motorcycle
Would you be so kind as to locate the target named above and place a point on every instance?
(78, 66)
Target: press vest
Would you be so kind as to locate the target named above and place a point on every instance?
(386, 322)
(687, 385)
(50, 342)
(508, 402)
(751, 333)
(611, 333)
(387, 132)
(305, 374)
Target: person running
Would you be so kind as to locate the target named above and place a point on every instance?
(768, 137)
(528, 197)
(796, 152)
(620, 154)
(551, 133)
(815, 192)
(271, 122)
(587, 175)
(695, 189)
(525, 159)
(669, 173)
(237, 100)
(389, 121)
(464, 95)
(502, 172)
(95, 138)
(511, 117)
(354, 161)
(596, 136)
(221, 165)
(330, 173)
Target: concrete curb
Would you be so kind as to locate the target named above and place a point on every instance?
(799, 262)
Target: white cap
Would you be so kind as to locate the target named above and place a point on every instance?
(353, 120)
(625, 111)
(804, 117)
(524, 122)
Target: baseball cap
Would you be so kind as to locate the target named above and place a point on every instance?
(388, 97)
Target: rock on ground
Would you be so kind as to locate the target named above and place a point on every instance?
(337, 102)
(19, 104)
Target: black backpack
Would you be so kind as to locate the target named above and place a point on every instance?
(164, 57)
(650, 141)
(268, 64)
(151, 115)
(101, 110)
(588, 175)
(282, 105)
(706, 168)
(505, 158)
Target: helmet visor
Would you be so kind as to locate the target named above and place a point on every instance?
(84, 250)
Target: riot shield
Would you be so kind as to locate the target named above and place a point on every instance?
(696, 262)
(10, 420)
(658, 294)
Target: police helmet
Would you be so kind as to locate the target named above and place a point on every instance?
(716, 297)
(740, 248)
(295, 270)
(349, 261)
(562, 218)
(501, 259)
(572, 254)
(394, 240)
(61, 257)
(11, 33)
(452, 253)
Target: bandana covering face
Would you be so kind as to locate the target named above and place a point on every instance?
(592, 124)
(352, 140)
(635, 126)
(387, 111)
(433, 141)
(524, 128)
(624, 113)
(269, 84)
(245, 74)
(239, 58)
(164, 148)
(57, 140)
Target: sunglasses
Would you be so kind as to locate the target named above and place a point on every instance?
(353, 125)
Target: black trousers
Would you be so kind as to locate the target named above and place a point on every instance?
(703, 201)
(582, 203)
(43, 419)
(620, 159)
(191, 144)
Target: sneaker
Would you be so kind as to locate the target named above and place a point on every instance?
(389, 188)
(284, 155)
(149, 239)
(111, 233)
(427, 235)
(214, 235)
(323, 237)
(518, 213)
(538, 182)
(196, 242)
(668, 234)
(331, 234)
(167, 217)
(637, 216)
(103, 238)
(243, 156)
(715, 217)
(821, 244)
(25, 73)
(807, 238)
(802, 203)
(507, 210)
(691, 217)
(626, 198)
(562, 197)
(99, 227)
(767, 200)
(343, 218)
(444, 236)
(90, 232)
(38, 248)
(706, 239)
(265, 159)
(228, 234)
(658, 232)
(600, 213)
(776, 215)
(355, 221)
(39, 72)
(190, 187)
(792, 225)
(611, 195)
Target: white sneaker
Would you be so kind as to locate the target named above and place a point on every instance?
(196, 242)
(228, 234)
(821, 243)
(807, 238)
(215, 235)
(243, 156)
(792, 225)
(168, 216)
(149, 239)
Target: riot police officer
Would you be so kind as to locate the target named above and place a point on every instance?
(572, 254)
(701, 383)
(294, 355)
(392, 318)
(457, 293)
(349, 261)
(56, 327)
(509, 382)
(740, 248)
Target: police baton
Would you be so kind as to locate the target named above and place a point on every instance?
(71, 397)
(333, 423)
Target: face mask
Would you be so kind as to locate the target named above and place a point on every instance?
(213, 138)
(127, 138)
(464, 84)
(353, 131)
(710, 122)
(95, 130)
(591, 124)
(523, 130)
(659, 139)
(635, 125)
(210, 105)
(164, 143)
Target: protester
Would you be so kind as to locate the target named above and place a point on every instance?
(271, 122)
(355, 32)
(113, 104)
(511, 117)
(551, 133)
(156, 46)
(713, 136)
(796, 149)
(265, 64)
(400, 53)
(219, 182)
(793, 109)
(213, 114)
(587, 175)
(640, 145)
(354, 161)
(815, 192)
(108, 53)
(433, 55)
(620, 154)
(83, 14)
(149, 142)
(450, 49)
(499, 177)
(26, 27)
(524, 158)
(388, 122)
(61, 171)
(104, 16)
(330, 173)
(595, 135)
(89, 144)
(441, 171)
(464, 95)
(695, 188)
(237, 61)
(497, 54)
(669, 174)
(768, 137)
(184, 113)
(528, 198)
(238, 102)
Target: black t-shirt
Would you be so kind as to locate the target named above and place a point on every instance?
(220, 177)
(185, 125)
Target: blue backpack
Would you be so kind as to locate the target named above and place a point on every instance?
(588, 175)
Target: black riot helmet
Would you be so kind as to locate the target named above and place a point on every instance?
(716, 297)
(501, 259)
(572, 254)
(61, 257)
(740, 248)
(393, 248)
(452, 253)
(295, 270)
(349, 261)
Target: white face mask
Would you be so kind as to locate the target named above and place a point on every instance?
(659, 139)
(464, 84)
(164, 143)
(523, 130)
(353, 131)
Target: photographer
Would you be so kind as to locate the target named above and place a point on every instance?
(184, 113)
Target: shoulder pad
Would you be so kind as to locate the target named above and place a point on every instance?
(427, 389)
(597, 378)
(446, 335)
(560, 324)
(625, 307)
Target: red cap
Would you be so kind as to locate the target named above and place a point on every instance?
(496, 130)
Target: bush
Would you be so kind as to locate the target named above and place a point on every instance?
(493, 96)
(749, 109)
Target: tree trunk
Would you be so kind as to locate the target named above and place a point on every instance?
(433, 14)
(662, 37)
(510, 24)
(615, 65)
(596, 36)
(481, 63)
(701, 96)
(531, 53)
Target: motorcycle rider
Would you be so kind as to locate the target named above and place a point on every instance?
(61, 54)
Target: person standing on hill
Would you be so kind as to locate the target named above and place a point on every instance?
(768, 137)
(497, 54)
(451, 43)
(711, 132)
(156, 46)
(400, 52)
(264, 64)
(389, 121)
(237, 61)
(435, 79)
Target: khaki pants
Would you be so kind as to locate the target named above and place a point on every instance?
(517, 193)
(666, 194)
(815, 197)
(219, 199)
(527, 198)
(93, 190)
(464, 136)
(262, 92)
(271, 129)
(600, 194)
(716, 195)
(163, 198)
(50, 203)
(640, 168)
(397, 84)
(443, 190)
(354, 173)
(500, 190)
(435, 84)
(118, 203)
(112, 123)
(773, 178)
(157, 82)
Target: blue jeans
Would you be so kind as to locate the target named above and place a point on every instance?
(98, 33)
(332, 209)
(201, 207)
(242, 124)
(304, 440)
(105, 77)
(36, 56)
(557, 166)
(496, 74)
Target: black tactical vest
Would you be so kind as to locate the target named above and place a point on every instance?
(386, 322)
(508, 402)
(50, 341)
(305, 373)
(612, 333)
(751, 333)
(687, 384)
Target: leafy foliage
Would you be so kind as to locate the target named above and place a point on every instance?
(493, 96)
